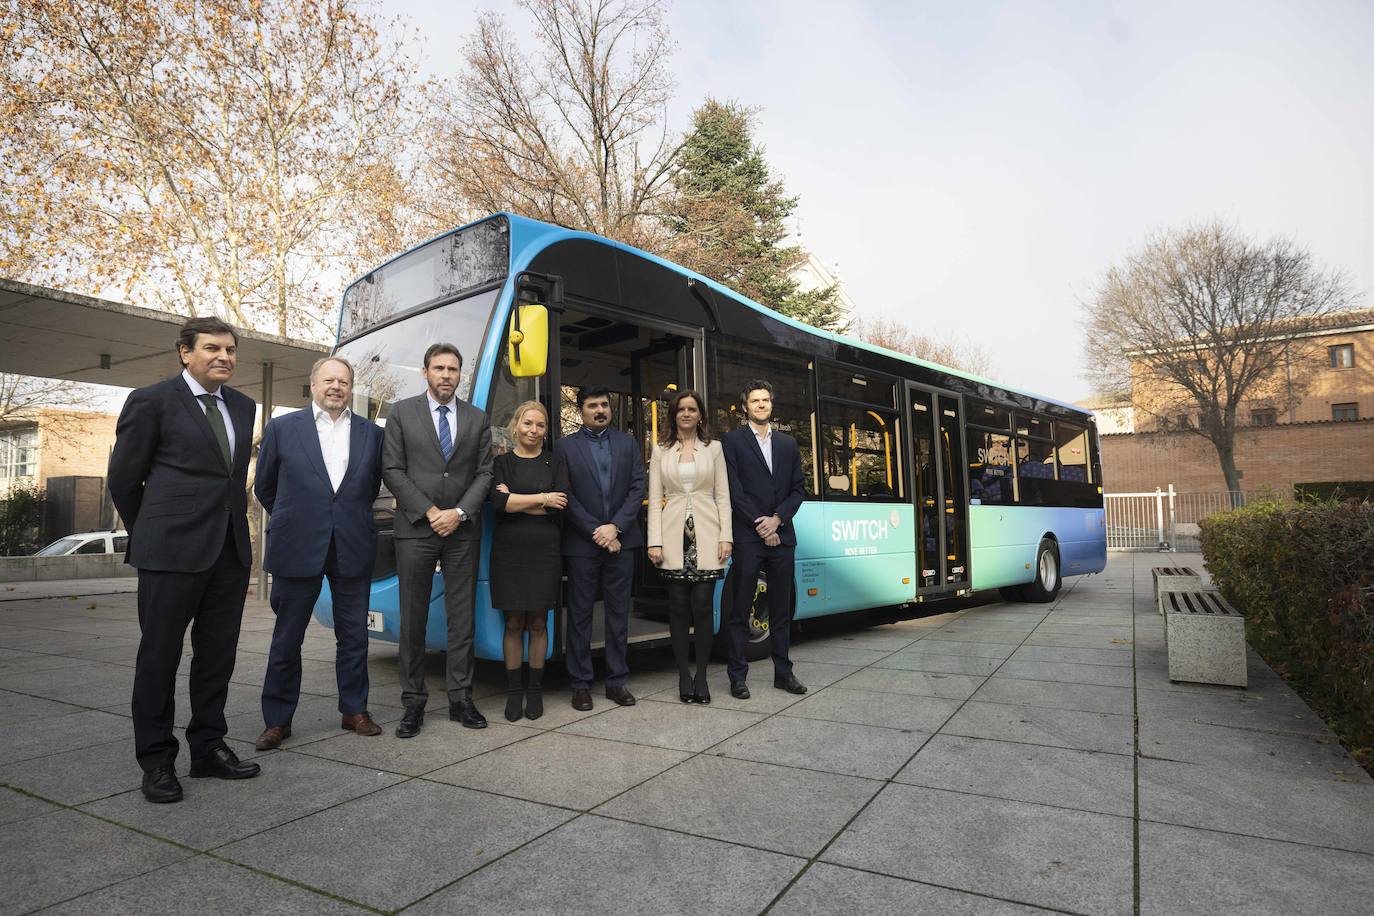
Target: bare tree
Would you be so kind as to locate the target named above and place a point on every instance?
(209, 156)
(894, 335)
(22, 399)
(574, 134)
(1201, 321)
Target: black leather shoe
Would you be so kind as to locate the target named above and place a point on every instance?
(620, 696)
(739, 690)
(160, 786)
(466, 713)
(789, 683)
(582, 699)
(223, 763)
(411, 722)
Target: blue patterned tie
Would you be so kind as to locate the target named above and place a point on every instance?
(445, 437)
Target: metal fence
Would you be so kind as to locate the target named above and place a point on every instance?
(1164, 519)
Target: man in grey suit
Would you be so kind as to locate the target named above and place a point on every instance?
(436, 460)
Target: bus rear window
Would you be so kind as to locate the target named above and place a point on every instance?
(443, 269)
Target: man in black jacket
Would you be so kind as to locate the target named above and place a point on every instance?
(178, 477)
(766, 490)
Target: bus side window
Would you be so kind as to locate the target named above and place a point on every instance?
(861, 455)
(734, 363)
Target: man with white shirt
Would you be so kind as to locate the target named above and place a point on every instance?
(436, 461)
(319, 472)
(178, 477)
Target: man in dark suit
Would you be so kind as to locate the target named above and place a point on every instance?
(319, 471)
(766, 490)
(436, 460)
(178, 477)
(600, 529)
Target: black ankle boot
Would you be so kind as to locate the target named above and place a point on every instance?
(515, 694)
(534, 695)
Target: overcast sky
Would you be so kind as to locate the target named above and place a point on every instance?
(973, 168)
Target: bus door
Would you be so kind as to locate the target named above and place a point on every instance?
(938, 491)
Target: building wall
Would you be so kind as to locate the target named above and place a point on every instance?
(73, 443)
(1276, 457)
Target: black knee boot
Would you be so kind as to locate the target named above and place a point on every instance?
(534, 694)
(515, 694)
(701, 623)
(679, 621)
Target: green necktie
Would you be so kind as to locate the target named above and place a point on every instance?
(217, 427)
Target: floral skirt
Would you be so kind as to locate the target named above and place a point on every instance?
(689, 571)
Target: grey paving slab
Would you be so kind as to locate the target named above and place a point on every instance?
(1053, 857)
(754, 804)
(675, 726)
(979, 636)
(1067, 673)
(835, 747)
(1084, 780)
(439, 744)
(1078, 640)
(66, 853)
(206, 885)
(1116, 656)
(1245, 749)
(217, 811)
(1183, 870)
(20, 707)
(18, 662)
(888, 636)
(837, 654)
(92, 684)
(828, 889)
(595, 866)
(78, 776)
(868, 707)
(1261, 804)
(930, 646)
(16, 806)
(555, 768)
(1275, 712)
(43, 737)
(1070, 728)
(920, 683)
(814, 675)
(316, 719)
(1087, 697)
(940, 664)
(420, 836)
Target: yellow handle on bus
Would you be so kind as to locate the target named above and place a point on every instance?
(527, 348)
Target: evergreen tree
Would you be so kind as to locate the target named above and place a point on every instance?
(728, 218)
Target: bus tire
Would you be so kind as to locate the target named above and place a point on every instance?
(1012, 593)
(1045, 588)
(760, 644)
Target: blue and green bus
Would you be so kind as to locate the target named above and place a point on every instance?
(922, 482)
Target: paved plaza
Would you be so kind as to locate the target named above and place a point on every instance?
(1007, 758)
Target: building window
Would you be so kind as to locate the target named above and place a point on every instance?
(1185, 421)
(1345, 411)
(1264, 416)
(18, 453)
(1342, 356)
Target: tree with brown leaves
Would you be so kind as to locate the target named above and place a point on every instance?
(1204, 319)
(894, 335)
(216, 156)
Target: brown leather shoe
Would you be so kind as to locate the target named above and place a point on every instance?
(272, 736)
(360, 723)
(620, 695)
(582, 699)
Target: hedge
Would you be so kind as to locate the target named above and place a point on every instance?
(1303, 574)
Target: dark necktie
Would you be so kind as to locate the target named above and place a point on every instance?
(217, 427)
(445, 437)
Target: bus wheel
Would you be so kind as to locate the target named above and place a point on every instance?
(760, 643)
(1012, 593)
(1046, 585)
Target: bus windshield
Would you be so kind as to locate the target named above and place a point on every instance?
(449, 266)
(387, 362)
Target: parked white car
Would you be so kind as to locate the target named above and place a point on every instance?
(88, 543)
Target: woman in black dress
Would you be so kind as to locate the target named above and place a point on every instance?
(529, 493)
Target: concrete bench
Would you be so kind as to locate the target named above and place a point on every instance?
(1174, 579)
(1205, 637)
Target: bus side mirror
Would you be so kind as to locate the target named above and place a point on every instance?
(527, 350)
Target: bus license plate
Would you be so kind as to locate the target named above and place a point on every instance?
(374, 621)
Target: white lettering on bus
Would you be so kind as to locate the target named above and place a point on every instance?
(866, 529)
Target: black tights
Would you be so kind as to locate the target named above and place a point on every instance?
(689, 605)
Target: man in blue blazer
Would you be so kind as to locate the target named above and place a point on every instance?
(319, 471)
(766, 490)
(179, 478)
(600, 531)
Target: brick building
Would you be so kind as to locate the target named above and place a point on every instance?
(1324, 436)
(55, 443)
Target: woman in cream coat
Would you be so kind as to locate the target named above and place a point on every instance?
(689, 531)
